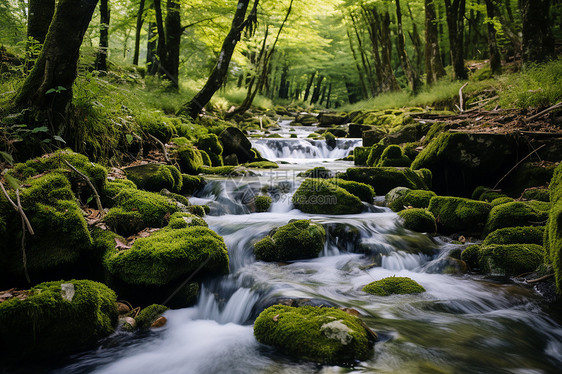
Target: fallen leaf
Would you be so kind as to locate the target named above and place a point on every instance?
(276, 318)
(120, 245)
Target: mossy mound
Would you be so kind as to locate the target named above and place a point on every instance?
(152, 207)
(323, 335)
(191, 183)
(417, 219)
(385, 179)
(501, 200)
(470, 256)
(553, 232)
(124, 222)
(318, 196)
(394, 156)
(360, 155)
(205, 157)
(317, 172)
(515, 214)
(169, 254)
(459, 215)
(262, 203)
(211, 145)
(375, 154)
(112, 189)
(297, 240)
(363, 191)
(181, 220)
(161, 128)
(189, 159)
(262, 165)
(403, 198)
(53, 322)
(147, 316)
(510, 259)
(394, 286)
(154, 177)
(539, 194)
(61, 234)
(516, 235)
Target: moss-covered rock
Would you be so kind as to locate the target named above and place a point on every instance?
(211, 145)
(385, 179)
(318, 196)
(323, 335)
(112, 189)
(394, 286)
(297, 240)
(363, 191)
(516, 235)
(420, 220)
(180, 220)
(124, 222)
(262, 165)
(459, 215)
(360, 155)
(375, 154)
(190, 184)
(515, 214)
(394, 156)
(154, 177)
(152, 207)
(539, 194)
(471, 257)
(501, 200)
(510, 259)
(147, 316)
(234, 142)
(553, 231)
(206, 159)
(262, 203)
(402, 198)
(162, 129)
(317, 172)
(169, 254)
(57, 318)
(189, 159)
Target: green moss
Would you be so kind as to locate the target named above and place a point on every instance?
(124, 222)
(45, 325)
(375, 155)
(181, 141)
(501, 200)
(539, 194)
(231, 170)
(363, 191)
(205, 157)
(262, 203)
(394, 156)
(426, 176)
(155, 177)
(360, 155)
(459, 215)
(322, 335)
(317, 172)
(515, 214)
(490, 196)
(160, 128)
(553, 232)
(181, 220)
(516, 235)
(385, 179)
(210, 143)
(394, 286)
(318, 196)
(170, 254)
(152, 207)
(420, 220)
(470, 256)
(409, 198)
(190, 184)
(510, 259)
(198, 210)
(189, 159)
(297, 240)
(112, 189)
(148, 315)
(262, 165)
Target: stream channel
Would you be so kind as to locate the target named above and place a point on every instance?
(462, 324)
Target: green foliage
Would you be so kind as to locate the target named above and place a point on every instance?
(297, 240)
(262, 203)
(459, 215)
(322, 335)
(516, 235)
(318, 196)
(421, 220)
(394, 286)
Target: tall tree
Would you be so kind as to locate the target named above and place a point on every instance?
(495, 58)
(433, 65)
(101, 58)
(389, 79)
(455, 11)
(538, 41)
(409, 71)
(140, 22)
(169, 65)
(219, 72)
(48, 87)
(40, 14)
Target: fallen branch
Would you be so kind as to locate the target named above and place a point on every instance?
(546, 111)
(461, 99)
(517, 164)
(163, 146)
(540, 279)
(85, 177)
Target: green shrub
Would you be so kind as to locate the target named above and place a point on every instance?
(420, 220)
(394, 286)
(318, 196)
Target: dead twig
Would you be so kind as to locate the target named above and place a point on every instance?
(546, 111)
(163, 146)
(540, 279)
(460, 107)
(85, 177)
(517, 164)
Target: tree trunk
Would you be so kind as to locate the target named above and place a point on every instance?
(416, 40)
(433, 66)
(101, 59)
(357, 66)
(49, 85)
(218, 75)
(160, 55)
(170, 65)
(140, 21)
(495, 58)
(317, 88)
(370, 84)
(374, 32)
(40, 15)
(308, 87)
(150, 46)
(329, 97)
(284, 83)
(538, 41)
(411, 74)
(455, 20)
(389, 80)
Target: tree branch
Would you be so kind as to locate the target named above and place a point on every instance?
(85, 177)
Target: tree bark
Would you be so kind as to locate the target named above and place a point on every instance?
(308, 87)
(101, 59)
(150, 46)
(389, 80)
(370, 84)
(160, 56)
(374, 33)
(219, 72)
(495, 58)
(416, 40)
(40, 15)
(455, 20)
(170, 64)
(49, 85)
(140, 22)
(409, 71)
(433, 65)
(317, 88)
(357, 66)
(538, 40)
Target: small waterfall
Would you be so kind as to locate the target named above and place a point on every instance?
(236, 310)
(301, 149)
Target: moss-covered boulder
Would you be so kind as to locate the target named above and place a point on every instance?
(385, 179)
(539, 194)
(154, 177)
(375, 154)
(262, 165)
(461, 161)
(553, 231)
(400, 198)
(471, 257)
(501, 200)
(297, 240)
(112, 189)
(516, 235)
(317, 172)
(169, 254)
(124, 222)
(180, 220)
(147, 316)
(394, 286)
(56, 318)
(234, 142)
(153, 207)
(417, 219)
(262, 203)
(360, 155)
(211, 145)
(323, 335)
(394, 156)
(191, 183)
(318, 196)
(189, 159)
(515, 214)
(510, 259)
(363, 191)
(459, 215)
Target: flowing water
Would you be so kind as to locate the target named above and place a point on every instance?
(462, 324)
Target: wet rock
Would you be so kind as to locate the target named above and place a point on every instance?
(372, 137)
(459, 215)
(318, 196)
(420, 220)
(356, 131)
(394, 286)
(384, 179)
(160, 322)
(231, 160)
(154, 177)
(332, 119)
(235, 142)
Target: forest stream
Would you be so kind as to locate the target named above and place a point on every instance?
(462, 324)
